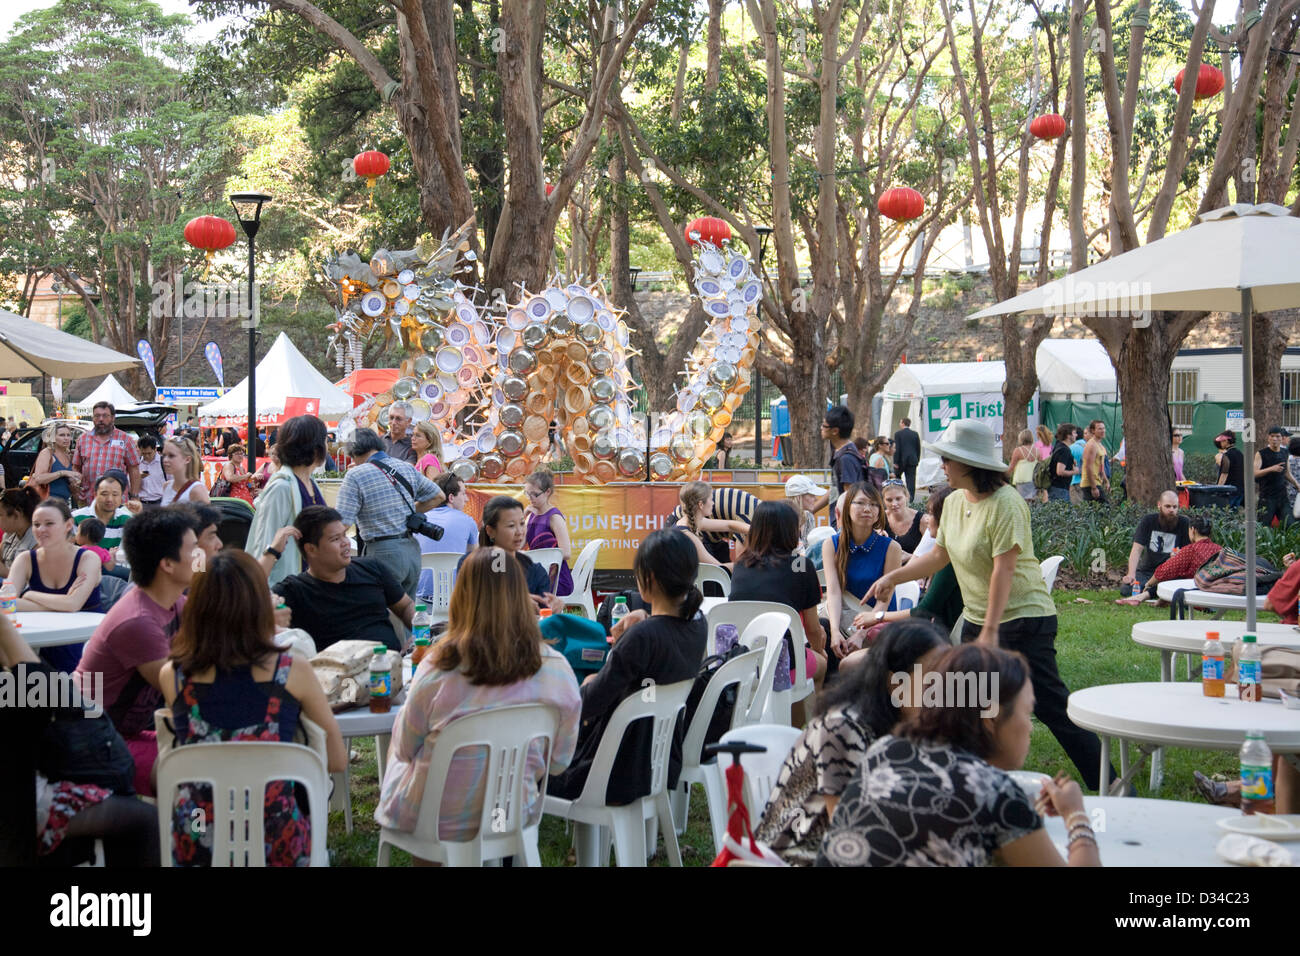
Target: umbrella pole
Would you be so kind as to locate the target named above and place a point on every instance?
(1248, 465)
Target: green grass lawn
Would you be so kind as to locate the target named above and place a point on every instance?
(1093, 647)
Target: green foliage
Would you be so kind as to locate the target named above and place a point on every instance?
(1096, 541)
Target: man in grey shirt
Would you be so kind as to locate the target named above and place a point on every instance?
(378, 494)
(398, 442)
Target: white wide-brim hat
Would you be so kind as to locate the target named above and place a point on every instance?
(970, 442)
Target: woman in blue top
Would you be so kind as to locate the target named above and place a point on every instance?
(854, 559)
(53, 466)
(56, 575)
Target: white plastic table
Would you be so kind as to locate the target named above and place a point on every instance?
(1196, 599)
(1135, 831)
(360, 722)
(55, 628)
(1188, 637)
(1158, 714)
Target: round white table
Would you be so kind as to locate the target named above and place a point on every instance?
(1135, 831)
(1159, 714)
(54, 628)
(1188, 637)
(360, 722)
(1197, 599)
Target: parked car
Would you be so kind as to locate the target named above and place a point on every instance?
(19, 453)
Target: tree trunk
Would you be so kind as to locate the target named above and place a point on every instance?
(713, 63)
(806, 410)
(1270, 340)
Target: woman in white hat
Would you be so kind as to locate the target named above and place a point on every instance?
(806, 497)
(985, 534)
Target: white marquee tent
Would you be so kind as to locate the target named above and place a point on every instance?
(1077, 370)
(283, 374)
(109, 390)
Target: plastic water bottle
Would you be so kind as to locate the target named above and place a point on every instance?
(421, 623)
(1248, 670)
(381, 681)
(1256, 774)
(422, 645)
(618, 612)
(1212, 665)
(9, 603)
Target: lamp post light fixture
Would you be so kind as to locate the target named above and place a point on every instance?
(764, 233)
(248, 210)
(632, 273)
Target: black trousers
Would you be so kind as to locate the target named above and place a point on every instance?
(908, 474)
(1035, 637)
(1274, 505)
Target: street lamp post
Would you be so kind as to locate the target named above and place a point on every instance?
(248, 209)
(764, 233)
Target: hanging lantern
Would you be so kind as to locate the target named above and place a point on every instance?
(1209, 82)
(901, 203)
(211, 234)
(709, 229)
(1048, 126)
(372, 164)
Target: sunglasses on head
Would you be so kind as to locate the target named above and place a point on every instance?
(894, 483)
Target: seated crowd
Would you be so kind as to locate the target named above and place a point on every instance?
(875, 778)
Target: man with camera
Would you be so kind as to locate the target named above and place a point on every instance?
(386, 499)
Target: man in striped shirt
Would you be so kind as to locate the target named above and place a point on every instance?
(729, 504)
(107, 507)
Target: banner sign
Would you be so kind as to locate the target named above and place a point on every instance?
(145, 351)
(623, 514)
(942, 410)
(213, 354)
(200, 395)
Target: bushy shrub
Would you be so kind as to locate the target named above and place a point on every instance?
(1095, 540)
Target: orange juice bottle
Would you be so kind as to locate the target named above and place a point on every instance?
(1212, 665)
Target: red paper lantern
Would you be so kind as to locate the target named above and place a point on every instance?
(209, 233)
(372, 164)
(550, 187)
(1048, 126)
(1209, 81)
(901, 203)
(710, 229)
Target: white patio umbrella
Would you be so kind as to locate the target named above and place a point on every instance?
(28, 348)
(1236, 259)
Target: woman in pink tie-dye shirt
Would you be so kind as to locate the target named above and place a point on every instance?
(491, 656)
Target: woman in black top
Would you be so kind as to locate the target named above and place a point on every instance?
(505, 527)
(1062, 464)
(770, 571)
(665, 647)
(905, 524)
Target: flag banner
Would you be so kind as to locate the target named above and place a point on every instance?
(213, 354)
(145, 351)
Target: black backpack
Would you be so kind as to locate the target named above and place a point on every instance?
(720, 722)
(605, 613)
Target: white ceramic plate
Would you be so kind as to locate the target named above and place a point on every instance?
(718, 308)
(711, 261)
(538, 308)
(457, 334)
(1266, 825)
(373, 303)
(449, 359)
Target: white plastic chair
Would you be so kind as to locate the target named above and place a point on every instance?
(712, 573)
(742, 672)
(504, 828)
(238, 772)
(627, 824)
(583, 570)
(1050, 567)
(767, 631)
(761, 770)
(907, 595)
(443, 568)
(741, 614)
(550, 559)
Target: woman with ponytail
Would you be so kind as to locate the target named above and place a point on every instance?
(663, 647)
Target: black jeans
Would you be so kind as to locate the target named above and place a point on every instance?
(1274, 505)
(908, 474)
(1035, 637)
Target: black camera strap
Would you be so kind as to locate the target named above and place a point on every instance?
(396, 478)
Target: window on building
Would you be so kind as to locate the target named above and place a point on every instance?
(1291, 399)
(1182, 397)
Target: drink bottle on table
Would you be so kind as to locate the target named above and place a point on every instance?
(381, 681)
(1249, 670)
(1256, 774)
(1212, 665)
